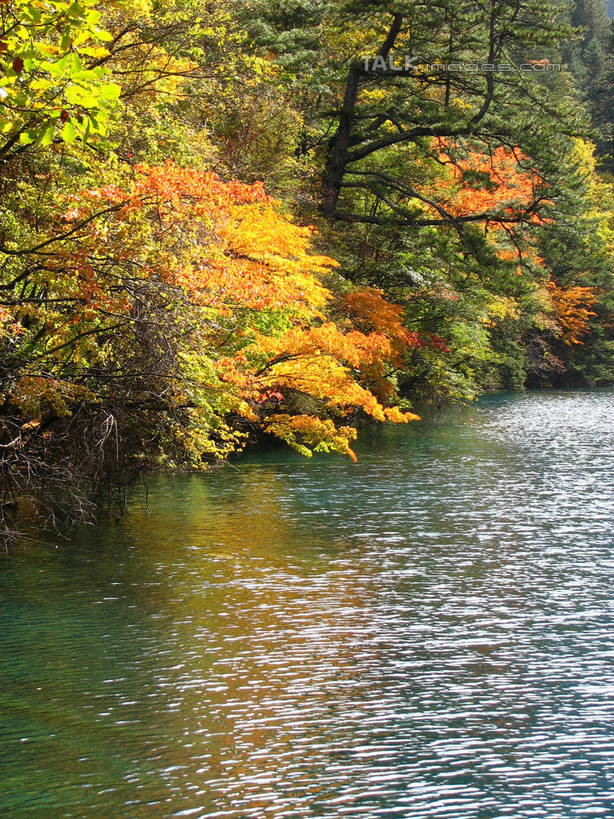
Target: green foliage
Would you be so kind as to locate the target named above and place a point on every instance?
(153, 315)
(53, 82)
(590, 57)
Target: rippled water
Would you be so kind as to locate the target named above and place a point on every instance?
(427, 633)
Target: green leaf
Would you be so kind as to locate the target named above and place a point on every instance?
(40, 84)
(103, 35)
(94, 51)
(75, 10)
(68, 132)
(27, 137)
(110, 91)
(75, 95)
(47, 137)
(92, 17)
(31, 13)
(55, 68)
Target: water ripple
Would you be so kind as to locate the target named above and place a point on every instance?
(427, 633)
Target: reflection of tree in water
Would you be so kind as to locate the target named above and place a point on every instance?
(255, 629)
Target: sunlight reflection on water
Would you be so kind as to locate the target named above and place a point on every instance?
(427, 633)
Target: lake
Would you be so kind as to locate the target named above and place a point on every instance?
(426, 633)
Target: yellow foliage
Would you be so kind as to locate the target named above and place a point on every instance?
(264, 336)
(308, 434)
(571, 306)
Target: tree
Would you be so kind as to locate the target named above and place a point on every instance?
(591, 59)
(160, 320)
(48, 89)
(463, 85)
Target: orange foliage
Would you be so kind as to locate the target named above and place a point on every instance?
(571, 306)
(491, 183)
(225, 242)
(342, 370)
(236, 258)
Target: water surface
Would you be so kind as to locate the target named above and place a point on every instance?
(427, 633)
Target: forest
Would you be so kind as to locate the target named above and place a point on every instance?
(223, 222)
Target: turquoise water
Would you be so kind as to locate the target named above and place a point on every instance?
(427, 633)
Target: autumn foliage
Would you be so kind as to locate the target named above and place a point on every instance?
(213, 276)
(572, 307)
(155, 313)
(500, 185)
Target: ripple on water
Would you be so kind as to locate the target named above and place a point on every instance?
(427, 633)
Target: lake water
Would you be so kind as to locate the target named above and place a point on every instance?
(427, 633)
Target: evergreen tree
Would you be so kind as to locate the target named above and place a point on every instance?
(590, 58)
